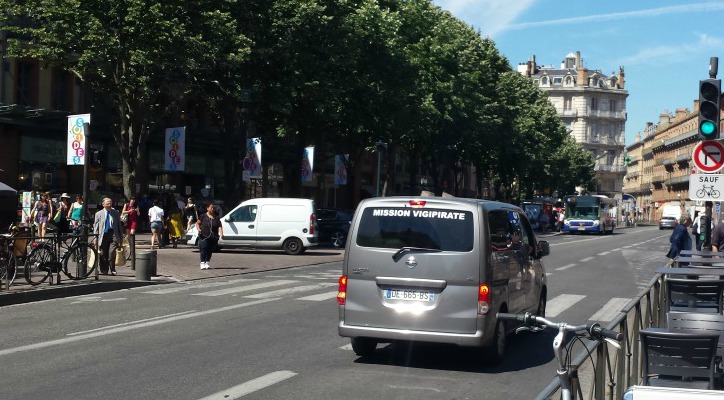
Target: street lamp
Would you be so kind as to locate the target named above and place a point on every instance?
(380, 145)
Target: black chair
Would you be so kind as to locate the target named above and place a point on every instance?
(677, 359)
(694, 295)
(708, 322)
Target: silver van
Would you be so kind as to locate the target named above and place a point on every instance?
(433, 269)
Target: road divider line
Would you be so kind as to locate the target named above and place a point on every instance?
(320, 297)
(561, 303)
(565, 267)
(587, 259)
(603, 254)
(189, 286)
(129, 323)
(251, 386)
(284, 292)
(240, 289)
(610, 310)
(119, 329)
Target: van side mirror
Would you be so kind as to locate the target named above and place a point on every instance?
(544, 248)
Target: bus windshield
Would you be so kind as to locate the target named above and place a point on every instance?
(583, 210)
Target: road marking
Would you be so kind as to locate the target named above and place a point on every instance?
(565, 267)
(610, 310)
(240, 289)
(587, 259)
(603, 254)
(284, 292)
(131, 326)
(582, 240)
(347, 347)
(561, 303)
(320, 297)
(251, 386)
(129, 323)
(189, 286)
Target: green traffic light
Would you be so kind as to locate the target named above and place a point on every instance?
(707, 127)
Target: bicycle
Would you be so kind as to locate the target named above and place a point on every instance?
(76, 260)
(8, 263)
(567, 373)
(708, 191)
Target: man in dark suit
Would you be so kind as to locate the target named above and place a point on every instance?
(107, 225)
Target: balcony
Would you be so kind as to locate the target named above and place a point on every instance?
(657, 179)
(610, 168)
(678, 180)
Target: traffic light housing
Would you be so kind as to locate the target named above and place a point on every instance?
(709, 108)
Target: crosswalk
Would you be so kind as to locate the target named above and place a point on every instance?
(321, 286)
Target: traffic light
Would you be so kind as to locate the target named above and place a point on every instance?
(709, 108)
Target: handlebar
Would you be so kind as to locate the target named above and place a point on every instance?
(594, 330)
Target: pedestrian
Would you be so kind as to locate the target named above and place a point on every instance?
(155, 216)
(41, 212)
(561, 218)
(680, 239)
(191, 215)
(61, 219)
(129, 216)
(107, 225)
(75, 213)
(175, 224)
(209, 232)
(717, 236)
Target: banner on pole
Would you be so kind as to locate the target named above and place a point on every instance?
(252, 159)
(340, 169)
(308, 164)
(175, 153)
(76, 139)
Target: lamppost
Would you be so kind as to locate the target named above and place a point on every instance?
(380, 146)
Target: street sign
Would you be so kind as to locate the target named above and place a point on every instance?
(708, 156)
(706, 187)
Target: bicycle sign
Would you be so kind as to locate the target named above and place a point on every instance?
(708, 156)
(706, 187)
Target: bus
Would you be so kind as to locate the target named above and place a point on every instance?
(589, 214)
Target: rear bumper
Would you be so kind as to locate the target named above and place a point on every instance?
(476, 339)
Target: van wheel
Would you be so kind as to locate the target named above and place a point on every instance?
(338, 239)
(494, 353)
(293, 246)
(541, 310)
(363, 347)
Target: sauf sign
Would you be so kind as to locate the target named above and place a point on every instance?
(706, 187)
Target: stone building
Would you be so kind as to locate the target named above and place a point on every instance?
(593, 107)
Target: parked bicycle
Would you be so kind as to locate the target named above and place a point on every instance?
(71, 254)
(567, 372)
(13, 252)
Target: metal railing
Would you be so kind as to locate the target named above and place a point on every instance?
(611, 371)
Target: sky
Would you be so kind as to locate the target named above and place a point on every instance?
(664, 46)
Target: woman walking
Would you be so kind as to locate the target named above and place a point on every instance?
(75, 214)
(130, 212)
(42, 210)
(175, 225)
(62, 217)
(209, 228)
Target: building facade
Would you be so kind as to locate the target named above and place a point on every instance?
(592, 105)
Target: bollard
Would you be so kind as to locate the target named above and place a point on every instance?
(132, 245)
(143, 265)
(154, 261)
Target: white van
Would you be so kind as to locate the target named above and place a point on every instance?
(268, 223)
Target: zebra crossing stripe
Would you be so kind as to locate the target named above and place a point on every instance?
(183, 287)
(249, 288)
(251, 386)
(287, 291)
(320, 297)
(561, 303)
(610, 310)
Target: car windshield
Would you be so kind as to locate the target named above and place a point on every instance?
(398, 227)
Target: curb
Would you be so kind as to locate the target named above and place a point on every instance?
(80, 289)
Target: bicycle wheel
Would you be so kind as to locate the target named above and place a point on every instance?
(79, 261)
(36, 264)
(8, 270)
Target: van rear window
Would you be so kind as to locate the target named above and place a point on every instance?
(430, 228)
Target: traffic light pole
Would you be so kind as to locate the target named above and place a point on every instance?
(713, 70)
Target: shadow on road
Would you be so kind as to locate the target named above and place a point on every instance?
(524, 351)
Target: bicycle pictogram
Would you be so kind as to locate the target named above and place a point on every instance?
(708, 191)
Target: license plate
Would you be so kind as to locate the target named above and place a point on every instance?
(582, 228)
(410, 295)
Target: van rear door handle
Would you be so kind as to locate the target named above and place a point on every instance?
(251, 226)
(410, 282)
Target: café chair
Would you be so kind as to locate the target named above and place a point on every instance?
(694, 295)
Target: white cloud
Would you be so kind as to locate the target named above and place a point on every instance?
(653, 12)
(489, 16)
(673, 54)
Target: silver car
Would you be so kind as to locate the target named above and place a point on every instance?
(438, 270)
(668, 223)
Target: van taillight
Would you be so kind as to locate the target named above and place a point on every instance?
(342, 294)
(483, 298)
(417, 203)
(312, 224)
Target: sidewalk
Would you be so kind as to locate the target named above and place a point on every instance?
(172, 265)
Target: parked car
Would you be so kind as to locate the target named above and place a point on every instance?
(268, 223)
(333, 225)
(667, 222)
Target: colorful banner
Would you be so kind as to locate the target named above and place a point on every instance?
(76, 139)
(252, 159)
(27, 206)
(340, 169)
(308, 164)
(175, 153)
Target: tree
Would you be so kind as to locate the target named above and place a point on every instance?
(141, 58)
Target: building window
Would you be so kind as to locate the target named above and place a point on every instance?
(26, 80)
(569, 81)
(594, 103)
(567, 103)
(62, 90)
(612, 105)
(557, 81)
(544, 80)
